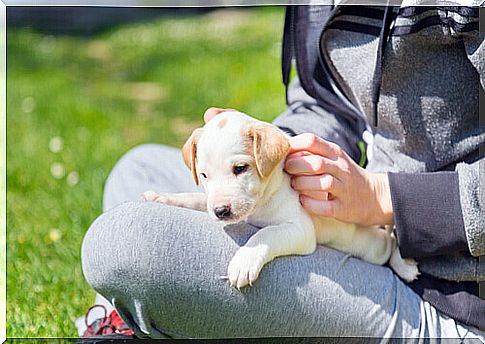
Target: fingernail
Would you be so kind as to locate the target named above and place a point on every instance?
(288, 162)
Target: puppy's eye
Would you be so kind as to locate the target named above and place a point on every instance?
(204, 175)
(240, 169)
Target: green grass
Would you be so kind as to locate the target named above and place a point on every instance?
(102, 95)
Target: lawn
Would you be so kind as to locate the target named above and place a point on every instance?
(76, 104)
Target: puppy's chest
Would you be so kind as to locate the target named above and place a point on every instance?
(283, 207)
(264, 219)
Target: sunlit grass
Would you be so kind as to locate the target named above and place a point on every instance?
(75, 105)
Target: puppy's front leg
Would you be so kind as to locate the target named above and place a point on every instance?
(195, 201)
(268, 243)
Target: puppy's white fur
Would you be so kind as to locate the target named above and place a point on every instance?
(262, 196)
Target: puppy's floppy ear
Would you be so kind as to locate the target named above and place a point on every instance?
(189, 152)
(270, 146)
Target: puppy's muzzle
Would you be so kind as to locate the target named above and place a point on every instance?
(223, 212)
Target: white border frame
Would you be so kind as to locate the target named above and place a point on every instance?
(3, 169)
(126, 3)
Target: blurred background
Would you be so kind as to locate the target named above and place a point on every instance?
(84, 85)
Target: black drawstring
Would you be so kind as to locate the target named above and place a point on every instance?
(383, 39)
(287, 49)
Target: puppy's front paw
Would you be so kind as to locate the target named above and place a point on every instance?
(245, 266)
(152, 196)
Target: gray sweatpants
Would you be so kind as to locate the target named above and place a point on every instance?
(161, 268)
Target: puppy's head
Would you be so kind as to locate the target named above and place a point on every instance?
(234, 157)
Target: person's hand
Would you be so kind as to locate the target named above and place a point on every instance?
(212, 112)
(331, 184)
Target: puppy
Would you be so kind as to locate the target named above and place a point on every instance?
(239, 161)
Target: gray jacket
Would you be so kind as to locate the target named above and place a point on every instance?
(416, 72)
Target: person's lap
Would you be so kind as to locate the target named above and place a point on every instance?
(161, 267)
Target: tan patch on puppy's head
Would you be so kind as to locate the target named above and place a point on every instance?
(189, 152)
(222, 123)
(267, 144)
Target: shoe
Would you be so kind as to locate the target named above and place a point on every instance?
(107, 325)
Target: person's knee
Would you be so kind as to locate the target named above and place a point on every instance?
(133, 172)
(139, 153)
(135, 158)
(113, 242)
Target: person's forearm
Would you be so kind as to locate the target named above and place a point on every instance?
(427, 213)
(384, 212)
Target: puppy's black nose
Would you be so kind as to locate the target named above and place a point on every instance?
(222, 212)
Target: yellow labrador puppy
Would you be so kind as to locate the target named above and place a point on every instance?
(239, 161)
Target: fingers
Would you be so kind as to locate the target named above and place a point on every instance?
(319, 207)
(315, 145)
(320, 195)
(321, 183)
(212, 112)
(298, 154)
(310, 165)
